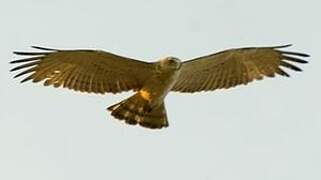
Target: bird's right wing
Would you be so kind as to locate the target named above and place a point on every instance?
(83, 70)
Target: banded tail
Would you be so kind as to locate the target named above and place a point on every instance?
(137, 110)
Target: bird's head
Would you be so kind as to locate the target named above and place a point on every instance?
(170, 63)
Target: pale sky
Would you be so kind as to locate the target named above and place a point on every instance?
(268, 130)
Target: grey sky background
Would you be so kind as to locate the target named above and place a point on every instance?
(268, 130)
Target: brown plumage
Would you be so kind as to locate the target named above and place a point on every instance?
(83, 70)
(136, 110)
(101, 72)
(233, 67)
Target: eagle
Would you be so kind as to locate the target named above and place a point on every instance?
(96, 71)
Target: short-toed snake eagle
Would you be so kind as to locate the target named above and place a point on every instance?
(101, 72)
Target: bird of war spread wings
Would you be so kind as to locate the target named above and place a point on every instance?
(101, 72)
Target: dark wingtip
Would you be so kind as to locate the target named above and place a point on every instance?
(44, 48)
(294, 59)
(26, 60)
(283, 46)
(29, 53)
(13, 69)
(289, 52)
(295, 53)
(282, 72)
(26, 79)
(16, 52)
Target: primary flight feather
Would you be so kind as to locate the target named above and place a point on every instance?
(101, 72)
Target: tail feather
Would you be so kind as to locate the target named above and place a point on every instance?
(136, 110)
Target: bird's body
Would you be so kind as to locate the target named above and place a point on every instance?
(149, 100)
(162, 80)
(101, 72)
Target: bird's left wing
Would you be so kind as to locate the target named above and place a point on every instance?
(83, 70)
(234, 67)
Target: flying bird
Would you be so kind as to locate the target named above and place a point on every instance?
(95, 71)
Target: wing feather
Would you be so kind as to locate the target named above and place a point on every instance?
(233, 67)
(83, 70)
(27, 71)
